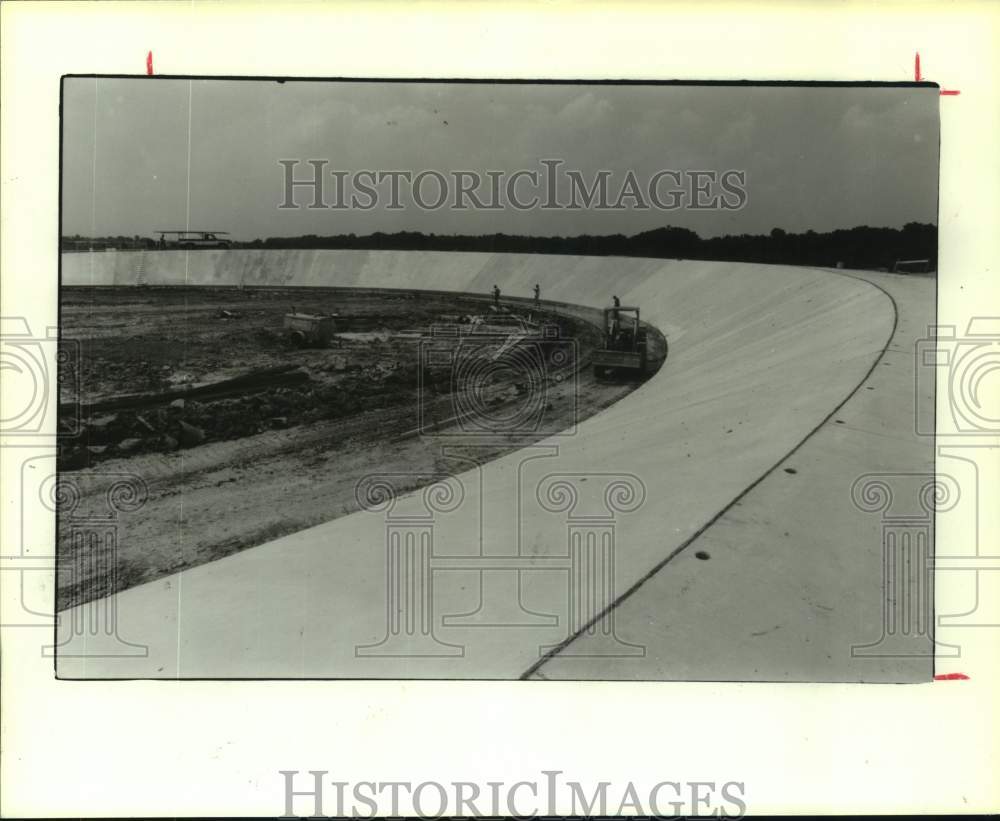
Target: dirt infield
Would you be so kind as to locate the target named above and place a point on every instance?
(239, 437)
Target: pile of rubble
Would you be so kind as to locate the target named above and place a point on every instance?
(127, 432)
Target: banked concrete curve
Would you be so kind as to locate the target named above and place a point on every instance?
(759, 358)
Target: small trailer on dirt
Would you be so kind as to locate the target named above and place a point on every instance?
(309, 330)
(624, 343)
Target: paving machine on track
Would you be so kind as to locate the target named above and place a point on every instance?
(624, 349)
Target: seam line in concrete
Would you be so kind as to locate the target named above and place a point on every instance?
(549, 655)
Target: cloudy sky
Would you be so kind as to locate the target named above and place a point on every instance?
(147, 154)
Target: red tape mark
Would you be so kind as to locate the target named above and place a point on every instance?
(149, 63)
(951, 677)
(918, 77)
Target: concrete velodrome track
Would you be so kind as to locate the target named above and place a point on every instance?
(783, 386)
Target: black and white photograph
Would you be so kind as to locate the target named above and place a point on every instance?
(480, 410)
(496, 380)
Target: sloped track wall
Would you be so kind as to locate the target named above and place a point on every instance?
(759, 357)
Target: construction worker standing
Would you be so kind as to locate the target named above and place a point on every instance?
(538, 295)
(496, 297)
(614, 316)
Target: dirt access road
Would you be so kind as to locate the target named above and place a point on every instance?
(286, 448)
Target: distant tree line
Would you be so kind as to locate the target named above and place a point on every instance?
(78, 242)
(860, 247)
